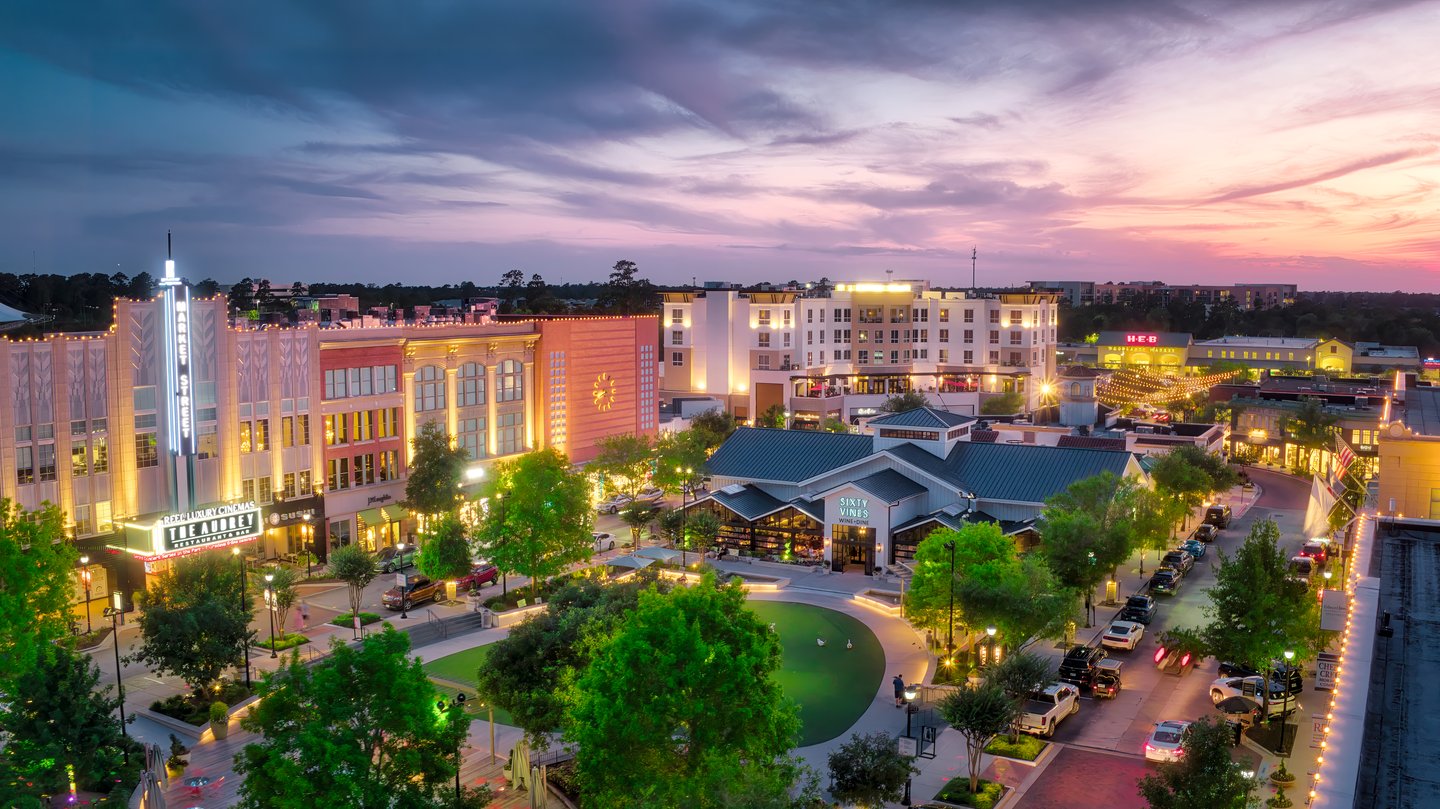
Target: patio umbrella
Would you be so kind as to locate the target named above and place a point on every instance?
(1238, 707)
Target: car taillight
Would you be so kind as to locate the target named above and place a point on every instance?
(1159, 654)
(1185, 660)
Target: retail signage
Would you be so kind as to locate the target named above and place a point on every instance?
(194, 530)
(291, 512)
(177, 345)
(854, 511)
(1326, 665)
(1334, 610)
(1141, 339)
(376, 499)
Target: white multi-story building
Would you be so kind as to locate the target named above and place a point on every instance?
(844, 353)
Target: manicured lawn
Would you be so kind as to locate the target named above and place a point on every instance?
(460, 668)
(832, 685)
(957, 790)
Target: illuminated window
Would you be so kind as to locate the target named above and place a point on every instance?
(429, 389)
(510, 382)
(510, 435)
(472, 437)
(147, 451)
(471, 385)
(24, 465)
(100, 454)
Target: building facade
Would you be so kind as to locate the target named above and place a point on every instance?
(1409, 471)
(841, 355)
(185, 434)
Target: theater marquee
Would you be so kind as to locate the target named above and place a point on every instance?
(205, 528)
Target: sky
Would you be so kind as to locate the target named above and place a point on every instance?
(740, 140)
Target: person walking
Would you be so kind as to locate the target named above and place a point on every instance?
(304, 614)
(899, 690)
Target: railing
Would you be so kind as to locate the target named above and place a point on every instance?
(431, 618)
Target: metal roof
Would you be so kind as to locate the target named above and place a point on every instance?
(1016, 472)
(760, 453)
(750, 503)
(1007, 527)
(922, 417)
(889, 485)
(814, 509)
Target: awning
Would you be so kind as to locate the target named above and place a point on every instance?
(631, 562)
(657, 553)
(371, 516)
(394, 513)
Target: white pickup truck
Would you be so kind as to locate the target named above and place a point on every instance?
(1045, 708)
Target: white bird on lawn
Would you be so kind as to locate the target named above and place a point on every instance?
(819, 641)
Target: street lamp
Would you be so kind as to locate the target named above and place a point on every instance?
(113, 613)
(309, 533)
(458, 704)
(85, 577)
(404, 582)
(910, 710)
(1327, 574)
(990, 633)
(270, 603)
(248, 606)
(1284, 716)
(686, 472)
(950, 625)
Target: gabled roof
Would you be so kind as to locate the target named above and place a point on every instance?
(922, 417)
(889, 485)
(984, 436)
(1092, 442)
(1014, 472)
(785, 455)
(1079, 372)
(815, 509)
(958, 521)
(748, 501)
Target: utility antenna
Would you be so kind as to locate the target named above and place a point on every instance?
(169, 246)
(974, 254)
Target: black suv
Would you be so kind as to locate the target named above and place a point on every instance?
(1205, 532)
(1078, 668)
(1166, 580)
(1218, 516)
(1179, 560)
(1138, 608)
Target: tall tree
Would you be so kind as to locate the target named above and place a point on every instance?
(1311, 427)
(638, 517)
(624, 460)
(1019, 676)
(1018, 596)
(358, 728)
(242, 297)
(544, 526)
(1156, 515)
(37, 587)
(977, 545)
(1076, 550)
(901, 402)
(680, 700)
(433, 483)
(355, 567)
(774, 416)
(868, 770)
(680, 460)
(59, 715)
(1205, 777)
(1183, 482)
(1222, 478)
(978, 713)
(283, 584)
(712, 427)
(142, 287)
(510, 285)
(194, 617)
(702, 527)
(624, 293)
(446, 551)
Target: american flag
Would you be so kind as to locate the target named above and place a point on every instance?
(1344, 456)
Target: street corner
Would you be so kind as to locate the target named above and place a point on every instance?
(1084, 779)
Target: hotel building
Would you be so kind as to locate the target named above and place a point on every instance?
(842, 354)
(184, 433)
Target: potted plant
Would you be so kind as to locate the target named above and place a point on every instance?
(219, 719)
(175, 764)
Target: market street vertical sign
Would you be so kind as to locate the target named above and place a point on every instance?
(179, 371)
(197, 530)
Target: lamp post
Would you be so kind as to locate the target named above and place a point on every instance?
(309, 533)
(686, 472)
(490, 708)
(85, 577)
(248, 606)
(950, 623)
(113, 614)
(910, 710)
(270, 604)
(1284, 714)
(458, 704)
(405, 584)
(504, 577)
(990, 633)
(1327, 574)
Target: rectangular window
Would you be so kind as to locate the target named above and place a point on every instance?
(763, 316)
(969, 315)
(899, 314)
(147, 451)
(677, 316)
(247, 434)
(764, 337)
(895, 357)
(362, 470)
(969, 357)
(809, 315)
(677, 359)
(1015, 317)
(207, 443)
(510, 433)
(262, 435)
(920, 316)
(337, 474)
(762, 362)
(303, 482)
(878, 357)
(1435, 504)
(389, 465)
(390, 422)
(24, 465)
(944, 315)
(944, 355)
(339, 533)
(79, 460)
(994, 337)
(994, 315)
(337, 430)
(302, 430)
(247, 489)
(99, 455)
(264, 490)
(144, 421)
(288, 482)
(77, 427)
(994, 357)
(1014, 338)
(472, 437)
(677, 338)
(144, 398)
(364, 427)
(895, 336)
(287, 431)
(944, 335)
(785, 339)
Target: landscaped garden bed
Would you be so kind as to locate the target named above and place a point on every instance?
(1025, 748)
(512, 599)
(187, 708)
(343, 619)
(957, 791)
(281, 644)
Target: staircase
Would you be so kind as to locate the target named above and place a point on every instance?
(435, 629)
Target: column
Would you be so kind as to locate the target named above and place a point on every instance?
(452, 409)
(491, 393)
(407, 398)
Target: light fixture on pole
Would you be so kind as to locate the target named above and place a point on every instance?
(85, 577)
(309, 536)
(113, 613)
(270, 604)
(685, 472)
(990, 633)
(1285, 715)
(950, 623)
(248, 607)
(910, 710)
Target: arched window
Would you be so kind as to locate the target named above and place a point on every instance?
(429, 388)
(1075, 389)
(471, 385)
(510, 382)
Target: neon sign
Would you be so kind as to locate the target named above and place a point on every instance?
(1141, 339)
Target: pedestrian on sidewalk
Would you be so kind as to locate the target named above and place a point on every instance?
(899, 690)
(304, 615)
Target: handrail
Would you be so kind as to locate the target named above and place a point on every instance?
(431, 618)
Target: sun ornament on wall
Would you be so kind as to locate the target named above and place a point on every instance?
(603, 391)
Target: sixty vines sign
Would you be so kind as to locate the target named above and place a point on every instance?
(854, 511)
(193, 530)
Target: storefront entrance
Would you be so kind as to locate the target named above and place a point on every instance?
(852, 547)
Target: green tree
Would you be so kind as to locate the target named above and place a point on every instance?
(193, 619)
(1222, 477)
(1020, 675)
(868, 770)
(357, 569)
(1256, 611)
(680, 460)
(978, 713)
(445, 554)
(283, 584)
(624, 294)
(902, 402)
(834, 425)
(671, 525)
(712, 428)
(435, 471)
(638, 517)
(774, 416)
(544, 526)
(358, 728)
(624, 461)
(977, 545)
(1205, 777)
(703, 527)
(1156, 515)
(532, 671)
(1003, 405)
(1087, 531)
(60, 715)
(1018, 596)
(681, 700)
(1311, 427)
(37, 587)
(1183, 482)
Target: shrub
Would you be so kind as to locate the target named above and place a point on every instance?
(178, 750)
(957, 791)
(344, 619)
(187, 708)
(219, 711)
(1025, 748)
(281, 644)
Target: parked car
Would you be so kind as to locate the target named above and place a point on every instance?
(652, 494)
(604, 541)
(1179, 560)
(1316, 550)
(390, 559)
(479, 576)
(1280, 702)
(1165, 580)
(1107, 679)
(1164, 741)
(1122, 635)
(1218, 516)
(1302, 567)
(418, 590)
(1194, 547)
(1205, 532)
(1138, 608)
(1281, 672)
(1078, 667)
(612, 504)
(1045, 708)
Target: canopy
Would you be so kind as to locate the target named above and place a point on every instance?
(631, 562)
(371, 516)
(394, 513)
(658, 554)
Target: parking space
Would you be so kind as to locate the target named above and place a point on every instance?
(1079, 778)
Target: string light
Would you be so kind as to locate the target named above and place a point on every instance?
(1137, 387)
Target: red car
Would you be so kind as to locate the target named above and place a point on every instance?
(479, 576)
(1315, 550)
